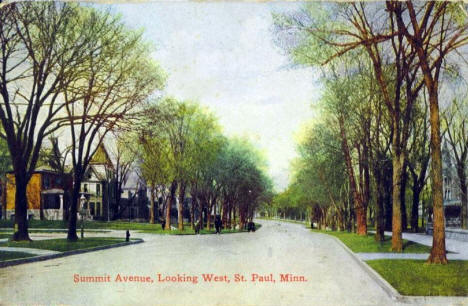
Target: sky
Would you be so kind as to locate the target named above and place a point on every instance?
(223, 56)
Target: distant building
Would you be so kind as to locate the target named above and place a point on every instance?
(451, 189)
(48, 194)
(99, 185)
(134, 201)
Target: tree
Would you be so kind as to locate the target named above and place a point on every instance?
(42, 47)
(457, 138)
(243, 184)
(115, 80)
(418, 160)
(434, 30)
(124, 154)
(152, 153)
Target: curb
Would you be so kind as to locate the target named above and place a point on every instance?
(15, 262)
(394, 294)
(389, 290)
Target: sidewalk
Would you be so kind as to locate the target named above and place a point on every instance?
(29, 250)
(458, 250)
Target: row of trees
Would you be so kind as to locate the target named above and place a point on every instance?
(182, 152)
(65, 65)
(77, 72)
(384, 66)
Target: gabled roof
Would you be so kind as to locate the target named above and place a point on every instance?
(101, 157)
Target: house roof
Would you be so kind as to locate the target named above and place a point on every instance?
(101, 157)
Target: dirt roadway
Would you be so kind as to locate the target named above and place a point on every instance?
(169, 270)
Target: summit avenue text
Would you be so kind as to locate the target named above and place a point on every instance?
(194, 279)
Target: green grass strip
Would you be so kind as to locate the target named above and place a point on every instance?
(417, 278)
(367, 244)
(63, 245)
(7, 255)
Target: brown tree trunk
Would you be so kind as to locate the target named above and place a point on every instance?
(404, 179)
(379, 215)
(397, 241)
(170, 204)
(180, 208)
(208, 217)
(225, 211)
(415, 209)
(200, 215)
(192, 212)
(21, 208)
(75, 203)
(438, 252)
(152, 208)
(357, 197)
(72, 217)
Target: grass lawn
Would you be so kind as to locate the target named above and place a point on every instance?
(6, 255)
(62, 244)
(55, 224)
(367, 244)
(111, 225)
(415, 277)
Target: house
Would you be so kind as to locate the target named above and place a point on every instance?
(99, 186)
(134, 200)
(48, 194)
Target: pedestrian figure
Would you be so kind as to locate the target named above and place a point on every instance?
(197, 227)
(163, 223)
(218, 224)
(127, 236)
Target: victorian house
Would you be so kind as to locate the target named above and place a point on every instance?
(99, 186)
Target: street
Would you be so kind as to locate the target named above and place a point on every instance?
(175, 270)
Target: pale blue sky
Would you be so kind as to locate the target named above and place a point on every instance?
(222, 55)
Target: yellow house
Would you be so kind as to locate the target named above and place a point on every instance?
(45, 193)
(32, 191)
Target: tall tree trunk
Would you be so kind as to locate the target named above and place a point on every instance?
(416, 188)
(75, 198)
(152, 206)
(379, 213)
(180, 208)
(170, 204)
(192, 212)
(438, 252)
(415, 208)
(21, 207)
(404, 180)
(208, 216)
(397, 241)
(388, 209)
(224, 215)
(200, 215)
(360, 210)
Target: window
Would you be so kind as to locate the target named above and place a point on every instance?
(46, 182)
(447, 194)
(98, 190)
